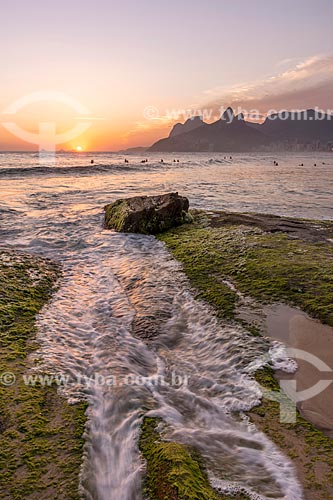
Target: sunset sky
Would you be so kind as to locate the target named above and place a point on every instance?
(126, 61)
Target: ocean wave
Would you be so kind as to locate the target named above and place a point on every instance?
(60, 171)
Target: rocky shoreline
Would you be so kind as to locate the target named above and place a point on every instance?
(238, 263)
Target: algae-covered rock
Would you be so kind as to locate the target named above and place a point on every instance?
(147, 214)
(40, 433)
(173, 471)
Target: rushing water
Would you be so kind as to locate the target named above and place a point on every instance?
(125, 331)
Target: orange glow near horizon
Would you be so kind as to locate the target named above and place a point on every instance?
(108, 131)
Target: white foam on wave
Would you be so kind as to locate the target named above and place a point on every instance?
(280, 360)
(277, 357)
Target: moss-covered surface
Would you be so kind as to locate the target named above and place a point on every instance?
(309, 449)
(115, 215)
(174, 472)
(269, 267)
(147, 215)
(40, 434)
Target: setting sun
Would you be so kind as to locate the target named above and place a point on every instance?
(79, 149)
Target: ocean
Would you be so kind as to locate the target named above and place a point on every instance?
(211, 181)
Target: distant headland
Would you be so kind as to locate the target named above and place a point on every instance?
(305, 130)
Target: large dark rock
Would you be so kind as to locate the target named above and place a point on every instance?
(147, 214)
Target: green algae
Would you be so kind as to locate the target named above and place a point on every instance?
(40, 434)
(174, 471)
(115, 214)
(269, 267)
(310, 449)
(149, 218)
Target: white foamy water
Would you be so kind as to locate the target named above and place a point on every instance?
(124, 318)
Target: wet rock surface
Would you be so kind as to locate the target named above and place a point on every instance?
(294, 228)
(147, 214)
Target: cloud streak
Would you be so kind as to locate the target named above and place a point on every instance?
(308, 84)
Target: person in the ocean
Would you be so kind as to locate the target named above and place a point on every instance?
(92, 161)
(126, 161)
(162, 161)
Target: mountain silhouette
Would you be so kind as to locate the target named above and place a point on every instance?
(307, 129)
(188, 126)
